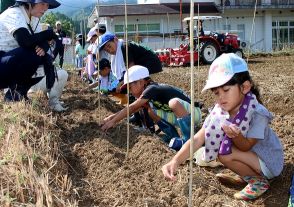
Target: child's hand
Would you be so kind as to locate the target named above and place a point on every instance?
(169, 170)
(107, 125)
(83, 90)
(104, 123)
(231, 130)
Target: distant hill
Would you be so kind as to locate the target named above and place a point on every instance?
(74, 9)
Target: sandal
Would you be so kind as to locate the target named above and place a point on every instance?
(256, 187)
(229, 179)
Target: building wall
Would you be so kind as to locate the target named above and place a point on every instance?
(217, 2)
(258, 36)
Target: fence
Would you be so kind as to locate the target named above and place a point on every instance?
(69, 55)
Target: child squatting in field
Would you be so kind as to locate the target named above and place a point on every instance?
(106, 82)
(236, 131)
(168, 106)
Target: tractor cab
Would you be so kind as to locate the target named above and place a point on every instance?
(198, 26)
(212, 43)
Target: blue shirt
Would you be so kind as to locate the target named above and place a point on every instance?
(268, 148)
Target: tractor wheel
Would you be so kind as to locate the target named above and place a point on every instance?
(239, 52)
(209, 52)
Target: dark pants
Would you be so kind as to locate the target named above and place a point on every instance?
(17, 68)
(59, 50)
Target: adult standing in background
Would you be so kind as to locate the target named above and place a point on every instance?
(80, 51)
(23, 47)
(91, 57)
(59, 48)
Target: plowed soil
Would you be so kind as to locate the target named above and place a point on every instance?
(105, 174)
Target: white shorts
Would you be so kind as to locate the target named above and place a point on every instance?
(265, 171)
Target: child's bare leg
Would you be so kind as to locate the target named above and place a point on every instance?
(153, 116)
(178, 109)
(168, 129)
(242, 163)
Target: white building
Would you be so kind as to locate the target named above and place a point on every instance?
(158, 23)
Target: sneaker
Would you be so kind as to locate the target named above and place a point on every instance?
(255, 188)
(176, 143)
(228, 179)
(140, 129)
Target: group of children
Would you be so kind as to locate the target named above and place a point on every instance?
(236, 132)
(86, 54)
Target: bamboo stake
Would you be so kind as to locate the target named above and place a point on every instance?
(98, 55)
(128, 85)
(192, 98)
(252, 28)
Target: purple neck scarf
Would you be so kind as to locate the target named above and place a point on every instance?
(216, 141)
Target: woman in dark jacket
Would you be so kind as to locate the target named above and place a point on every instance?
(24, 46)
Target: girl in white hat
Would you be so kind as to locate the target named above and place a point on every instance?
(237, 131)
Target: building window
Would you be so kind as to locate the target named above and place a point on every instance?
(149, 28)
(227, 27)
(139, 28)
(283, 34)
(241, 31)
(119, 28)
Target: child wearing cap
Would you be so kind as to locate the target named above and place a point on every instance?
(168, 106)
(137, 55)
(236, 131)
(91, 57)
(107, 82)
(100, 30)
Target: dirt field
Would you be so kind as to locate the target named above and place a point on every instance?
(103, 176)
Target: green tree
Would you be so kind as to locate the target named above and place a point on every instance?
(4, 4)
(66, 23)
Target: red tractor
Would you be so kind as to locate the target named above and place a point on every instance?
(211, 45)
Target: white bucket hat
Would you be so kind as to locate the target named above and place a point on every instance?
(223, 69)
(136, 72)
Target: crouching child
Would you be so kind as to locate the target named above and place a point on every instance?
(168, 106)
